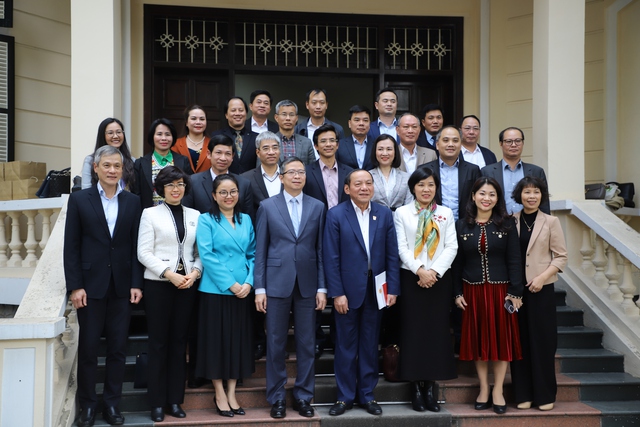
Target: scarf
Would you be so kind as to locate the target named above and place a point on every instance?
(428, 231)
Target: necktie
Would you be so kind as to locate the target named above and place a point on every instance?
(238, 143)
(295, 219)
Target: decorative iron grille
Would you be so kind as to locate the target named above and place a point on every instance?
(418, 49)
(191, 41)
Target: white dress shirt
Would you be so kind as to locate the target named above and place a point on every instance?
(110, 206)
(474, 156)
(363, 220)
(255, 127)
(272, 183)
(410, 159)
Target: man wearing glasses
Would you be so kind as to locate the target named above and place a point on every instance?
(512, 169)
(292, 144)
(471, 150)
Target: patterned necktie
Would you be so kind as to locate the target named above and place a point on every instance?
(238, 143)
(295, 219)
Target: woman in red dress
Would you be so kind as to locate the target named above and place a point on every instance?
(489, 287)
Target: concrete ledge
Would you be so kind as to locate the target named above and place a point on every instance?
(25, 329)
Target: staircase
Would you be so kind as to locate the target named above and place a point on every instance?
(593, 390)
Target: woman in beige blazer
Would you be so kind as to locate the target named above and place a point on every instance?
(544, 254)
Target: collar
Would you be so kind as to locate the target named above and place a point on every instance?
(103, 194)
(403, 150)
(253, 122)
(264, 173)
(394, 124)
(163, 160)
(288, 197)
(213, 175)
(444, 165)
(477, 150)
(358, 210)
(355, 141)
(505, 165)
(323, 166)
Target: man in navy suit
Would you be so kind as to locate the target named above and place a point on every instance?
(260, 106)
(289, 273)
(471, 150)
(244, 138)
(387, 106)
(104, 278)
(431, 120)
(355, 151)
(359, 244)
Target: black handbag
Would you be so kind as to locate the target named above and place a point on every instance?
(627, 192)
(390, 357)
(55, 184)
(140, 375)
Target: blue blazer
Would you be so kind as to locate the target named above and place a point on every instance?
(281, 256)
(346, 154)
(345, 256)
(227, 253)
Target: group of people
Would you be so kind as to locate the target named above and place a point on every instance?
(229, 235)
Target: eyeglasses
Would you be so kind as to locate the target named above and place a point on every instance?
(111, 133)
(330, 140)
(468, 128)
(268, 149)
(225, 193)
(173, 185)
(294, 173)
(516, 141)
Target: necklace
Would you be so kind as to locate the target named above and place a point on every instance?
(529, 227)
(196, 142)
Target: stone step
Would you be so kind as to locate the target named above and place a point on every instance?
(618, 413)
(579, 337)
(561, 296)
(607, 386)
(569, 316)
(569, 360)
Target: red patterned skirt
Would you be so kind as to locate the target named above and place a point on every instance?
(489, 331)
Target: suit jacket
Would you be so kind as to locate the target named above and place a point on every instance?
(422, 141)
(345, 256)
(91, 256)
(158, 245)
(201, 199)
(400, 194)
(495, 171)
(303, 147)
(424, 155)
(258, 189)
(346, 154)
(374, 131)
(143, 184)
(281, 256)
(301, 127)
(468, 173)
(248, 159)
(546, 246)
(314, 186)
(272, 126)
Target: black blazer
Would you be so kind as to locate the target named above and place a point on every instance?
(301, 128)
(91, 256)
(502, 262)
(468, 173)
(200, 197)
(272, 126)
(143, 185)
(422, 141)
(249, 158)
(495, 171)
(258, 189)
(314, 186)
(346, 154)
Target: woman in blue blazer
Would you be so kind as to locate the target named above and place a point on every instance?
(227, 246)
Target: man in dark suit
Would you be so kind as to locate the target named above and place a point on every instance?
(355, 151)
(292, 144)
(471, 150)
(512, 169)
(260, 106)
(387, 106)
(317, 105)
(264, 179)
(104, 278)
(289, 274)
(431, 120)
(359, 244)
(244, 139)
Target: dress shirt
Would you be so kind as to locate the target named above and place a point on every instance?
(430, 139)
(110, 206)
(363, 220)
(287, 198)
(361, 149)
(255, 127)
(410, 159)
(389, 130)
(449, 187)
(272, 183)
(510, 178)
(474, 156)
(330, 178)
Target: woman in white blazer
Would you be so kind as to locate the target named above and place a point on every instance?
(167, 249)
(544, 255)
(427, 244)
(389, 182)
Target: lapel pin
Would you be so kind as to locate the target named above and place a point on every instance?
(375, 217)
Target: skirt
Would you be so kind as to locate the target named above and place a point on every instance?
(489, 331)
(225, 345)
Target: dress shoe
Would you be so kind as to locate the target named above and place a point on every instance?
(431, 402)
(372, 407)
(238, 410)
(279, 409)
(339, 407)
(259, 351)
(417, 401)
(175, 410)
(112, 415)
(318, 351)
(499, 409)
(481, 406)
(524, 405)
(157, 414)
(303, 407)
(221, 412)
(547, 407)
(87, 417)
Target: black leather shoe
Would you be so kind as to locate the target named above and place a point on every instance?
(339, 408)
(87, 417)
(259, 351)
(303, 407)
(157, 414)
(238, 410)
(499, 409)
(431, 402)
(372, 407)
(175, 410)
(417, 401)
(221, 412)
(279, 409)
(112, 415)
(481, 406)
(318, 351)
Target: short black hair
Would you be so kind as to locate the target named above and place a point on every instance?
(470, 116)
(418, 175)
(510, 128)
(430, 107)
(319, 90)
(359, 109)
(287, 161)
(258, 92)
(322, 129)
(226, 105)
(530, 181)
(383, 90)
(155, 124)
(167, 175)
(221, 139)
(397, 156)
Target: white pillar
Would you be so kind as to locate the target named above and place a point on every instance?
(558, 94)
(95, 72)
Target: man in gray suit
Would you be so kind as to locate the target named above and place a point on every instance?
(292, 144)
(512, 169)
(289, 273)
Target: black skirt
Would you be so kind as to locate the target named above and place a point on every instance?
(225, 346)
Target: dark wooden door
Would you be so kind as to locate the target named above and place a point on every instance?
(413, 94)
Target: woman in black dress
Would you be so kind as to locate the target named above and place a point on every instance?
(489, 286)
(543, 247)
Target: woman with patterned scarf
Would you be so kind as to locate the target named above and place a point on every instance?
(427, 245)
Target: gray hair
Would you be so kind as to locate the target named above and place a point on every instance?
(106, 150)
(286, 103)
(266, 136)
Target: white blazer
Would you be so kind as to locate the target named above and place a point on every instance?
(158, 245)
(406, 221)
